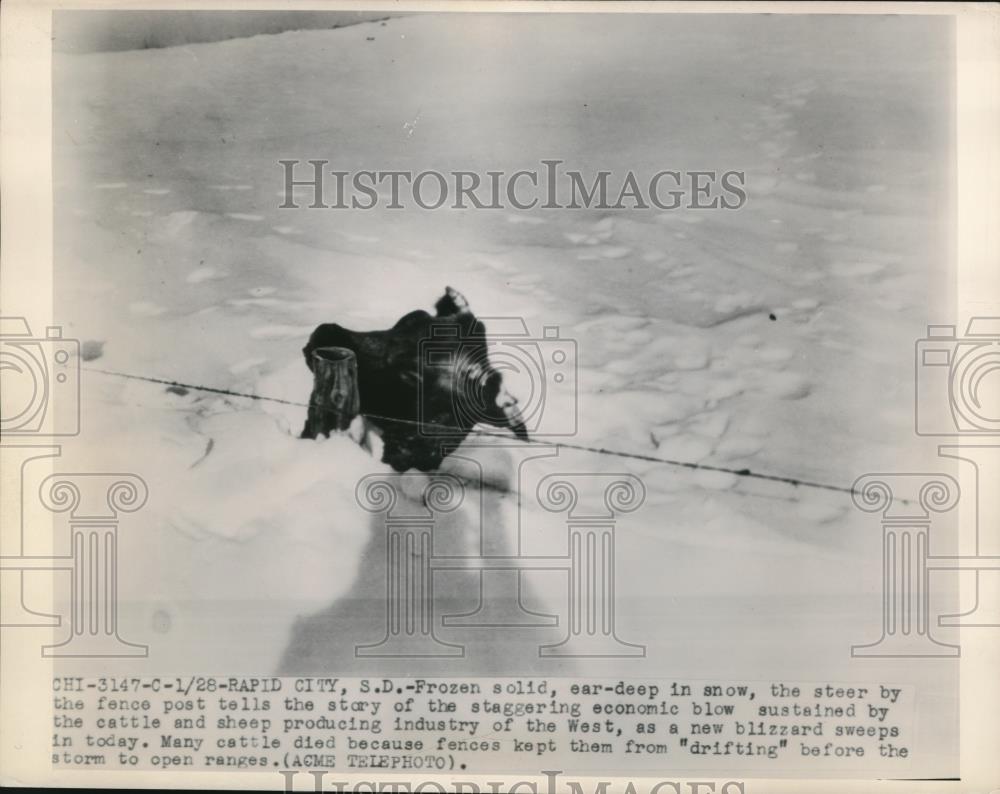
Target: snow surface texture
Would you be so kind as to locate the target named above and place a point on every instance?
(171, 251)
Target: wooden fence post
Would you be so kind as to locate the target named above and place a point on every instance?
(335, 400)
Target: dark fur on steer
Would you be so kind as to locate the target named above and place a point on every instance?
(438, 400)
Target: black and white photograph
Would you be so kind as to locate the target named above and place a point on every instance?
(537, 393)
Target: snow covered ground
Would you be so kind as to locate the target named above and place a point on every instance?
(777, 338)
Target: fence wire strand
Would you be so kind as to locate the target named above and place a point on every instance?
(793, 481)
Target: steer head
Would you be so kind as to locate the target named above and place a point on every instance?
(425, 382)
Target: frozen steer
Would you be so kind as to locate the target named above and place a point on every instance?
(425, 382)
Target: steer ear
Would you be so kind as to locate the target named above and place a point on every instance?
(501, 409)
(508, 416)
(512, 415)
(452, 303)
